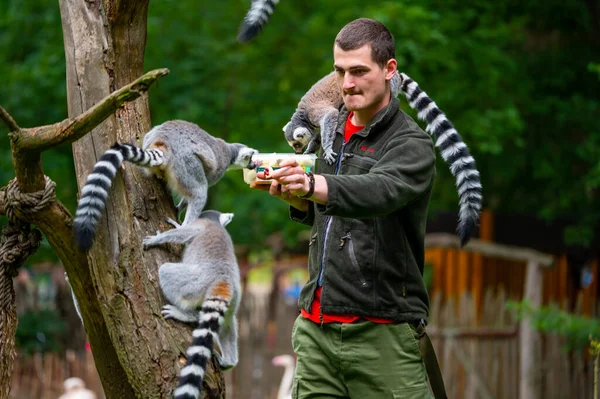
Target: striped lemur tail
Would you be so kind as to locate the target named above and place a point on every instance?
(211, 316)
(454, 151)
(95, 190)
(256, 18)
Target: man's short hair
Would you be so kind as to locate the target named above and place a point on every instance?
(364, 31)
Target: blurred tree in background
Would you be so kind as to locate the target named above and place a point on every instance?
(519, 81)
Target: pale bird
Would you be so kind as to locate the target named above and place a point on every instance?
(285, 387)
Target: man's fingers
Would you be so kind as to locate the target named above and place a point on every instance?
(295, 187)
(283, 171)
(288, 162)
(275, 188)
(290, 174)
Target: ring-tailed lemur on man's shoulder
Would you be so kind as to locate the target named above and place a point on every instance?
(256, 18)
(318, 109)
(204, 287)
(313, 124)
(188, 158)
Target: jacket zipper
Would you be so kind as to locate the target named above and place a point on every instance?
(327, 226)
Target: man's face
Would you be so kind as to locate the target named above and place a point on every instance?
(362, 81)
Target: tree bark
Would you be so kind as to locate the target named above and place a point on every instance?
(137, 352)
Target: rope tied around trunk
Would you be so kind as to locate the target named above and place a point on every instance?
(19, 240)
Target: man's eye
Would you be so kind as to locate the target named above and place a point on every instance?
(359, 72)
(339, 71)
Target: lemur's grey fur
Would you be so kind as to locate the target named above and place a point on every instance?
(188, 158)
(318, 111)
(454, 151)
(256, 18)
(204, 288)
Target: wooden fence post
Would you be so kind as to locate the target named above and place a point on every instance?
(529, 338)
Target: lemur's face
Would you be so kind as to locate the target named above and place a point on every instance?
(244, 157)
(362, 81)
(297, 137)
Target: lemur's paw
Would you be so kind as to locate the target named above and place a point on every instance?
(148, 242)
(329, 156)
(173, 312)
(170, 312)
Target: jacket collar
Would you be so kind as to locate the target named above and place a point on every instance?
(381, 118)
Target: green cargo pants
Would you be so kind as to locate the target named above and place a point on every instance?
(360, 360)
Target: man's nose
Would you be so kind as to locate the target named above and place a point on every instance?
(348, 82)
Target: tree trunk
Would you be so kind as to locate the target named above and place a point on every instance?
(137, 353)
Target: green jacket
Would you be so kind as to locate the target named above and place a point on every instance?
(367, 243)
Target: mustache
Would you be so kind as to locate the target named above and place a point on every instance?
(351, 92)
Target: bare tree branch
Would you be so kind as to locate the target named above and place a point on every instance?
(69, 130)
(8, 120)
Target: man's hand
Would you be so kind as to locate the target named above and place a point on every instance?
(283, 190)
(291, 177)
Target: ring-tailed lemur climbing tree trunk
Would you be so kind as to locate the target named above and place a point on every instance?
(104, 47)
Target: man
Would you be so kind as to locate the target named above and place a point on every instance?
(364, 306)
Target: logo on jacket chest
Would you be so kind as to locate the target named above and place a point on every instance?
(367, 149)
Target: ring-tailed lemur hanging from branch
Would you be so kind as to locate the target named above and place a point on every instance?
(313, 124)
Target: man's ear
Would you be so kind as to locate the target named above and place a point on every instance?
(390, 69)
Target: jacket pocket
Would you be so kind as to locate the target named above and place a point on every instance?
(357, 251)
(354, 164)
(346, 241)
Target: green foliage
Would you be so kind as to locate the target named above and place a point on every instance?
(32, 67)
(579, 330)
(594, 347)
(519, 81)
(40, 331)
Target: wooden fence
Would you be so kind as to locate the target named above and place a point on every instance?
(479, 358)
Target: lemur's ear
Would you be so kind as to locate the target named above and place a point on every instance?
(225, 218)
(301, 133)
(286, 126)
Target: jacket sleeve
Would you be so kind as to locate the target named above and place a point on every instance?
(405, 172)
(299, 216)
